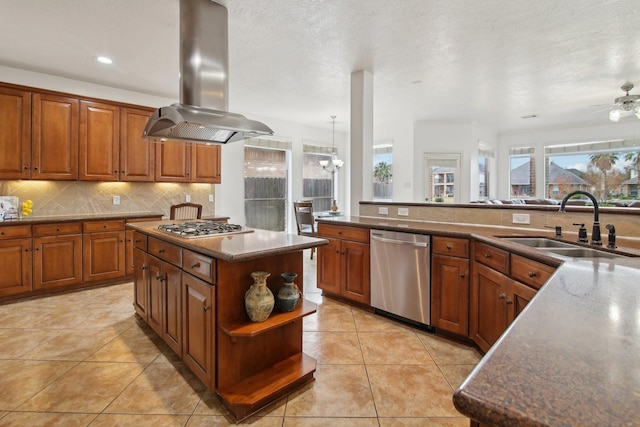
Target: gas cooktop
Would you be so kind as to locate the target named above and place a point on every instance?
(194, 229)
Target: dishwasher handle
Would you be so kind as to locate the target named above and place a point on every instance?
(379, 238)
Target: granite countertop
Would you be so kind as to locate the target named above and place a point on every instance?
(572, 357)
(78, 217)
(234, 247)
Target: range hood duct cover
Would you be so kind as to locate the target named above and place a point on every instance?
(202, 116)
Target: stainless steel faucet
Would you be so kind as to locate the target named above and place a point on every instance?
(595, 231)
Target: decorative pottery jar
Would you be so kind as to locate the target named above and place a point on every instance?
(289, 294)
(258, 300)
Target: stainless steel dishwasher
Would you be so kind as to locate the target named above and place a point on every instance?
(400, 275)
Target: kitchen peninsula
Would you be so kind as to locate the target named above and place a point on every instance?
(191, 292)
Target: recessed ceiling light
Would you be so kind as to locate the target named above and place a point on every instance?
(104, 60)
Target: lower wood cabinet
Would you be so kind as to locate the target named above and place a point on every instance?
(57, 255)
(503, 284)
(198, 314)
(450, 284)
(15, 260)
(104, 250)
(344, 265)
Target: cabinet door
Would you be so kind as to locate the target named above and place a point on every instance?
(488, 306)
(328, 270)
(99, 146)
(155, 317)
(205, 163)
(103, 255)
(137, 156)
(57, 261)
(354, 267)
(129, 267)
(173, 307)
(450, 294)
(198, 342)
(15, 264)
(173, 162)
(141, 282)
(518, 296)
(15, 133)
(54, 132)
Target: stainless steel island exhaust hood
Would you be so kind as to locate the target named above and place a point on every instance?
(201, 116)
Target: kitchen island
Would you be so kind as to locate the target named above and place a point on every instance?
(191, 292)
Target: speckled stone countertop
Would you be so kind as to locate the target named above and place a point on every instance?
(78, 217)
(234, 247)
(571, 358)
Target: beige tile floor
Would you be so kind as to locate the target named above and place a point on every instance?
(82, 359)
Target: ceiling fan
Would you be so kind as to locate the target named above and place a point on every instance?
(625, 105)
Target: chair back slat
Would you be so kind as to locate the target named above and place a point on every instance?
(303, 211)
(186, 211)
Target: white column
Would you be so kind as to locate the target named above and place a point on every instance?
(361, 169)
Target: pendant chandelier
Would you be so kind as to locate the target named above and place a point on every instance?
(336, 163)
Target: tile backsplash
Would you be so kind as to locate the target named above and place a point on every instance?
(81, 197)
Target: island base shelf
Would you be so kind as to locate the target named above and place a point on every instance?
(252, 394)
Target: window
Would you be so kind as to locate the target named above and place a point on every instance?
(522, 176)
(317, 183)
(441, 173)
(383, 170)
(266, 176)
(607, 169)
(485, 154)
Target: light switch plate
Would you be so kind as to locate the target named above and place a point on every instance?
(383, 211)
(211, 198)
(187, 198)
(521, 219)
(116, 200)
(403, 211)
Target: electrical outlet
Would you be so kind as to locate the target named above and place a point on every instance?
(383, 211)
(403, 211)
(521, 219)
(187, 198)
(211, 198)
(116, 200)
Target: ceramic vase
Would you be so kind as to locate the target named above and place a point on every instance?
(289, 294)
(258, 300)
(334, 206)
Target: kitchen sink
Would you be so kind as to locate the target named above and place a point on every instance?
(583, 253)
(561, 248)
(539, 242)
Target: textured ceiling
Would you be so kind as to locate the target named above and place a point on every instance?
(489, 61)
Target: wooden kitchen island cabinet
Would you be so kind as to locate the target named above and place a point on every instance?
(248, 364)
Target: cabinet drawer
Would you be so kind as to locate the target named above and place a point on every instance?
(57, 229)
(491, 256)
(15, 232)
(344, 233)
(200, 266)
(97, 226)
(451, 246)
(140, 241)
(530, 272)
(165, 251)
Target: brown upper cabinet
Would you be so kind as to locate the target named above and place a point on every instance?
(184, 162)
(15, 133)
(54, 137)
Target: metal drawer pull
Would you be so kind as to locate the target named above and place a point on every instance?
(448, 247)
(509, 301)
(487, 255)
(205, 308)
(195, 265)
(462, 275)
(502, 296)
(532, 274)
(160, 251)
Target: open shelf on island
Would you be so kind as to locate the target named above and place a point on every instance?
(275, 320)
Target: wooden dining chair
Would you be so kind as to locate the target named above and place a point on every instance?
(303, 211)
(186, 211)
